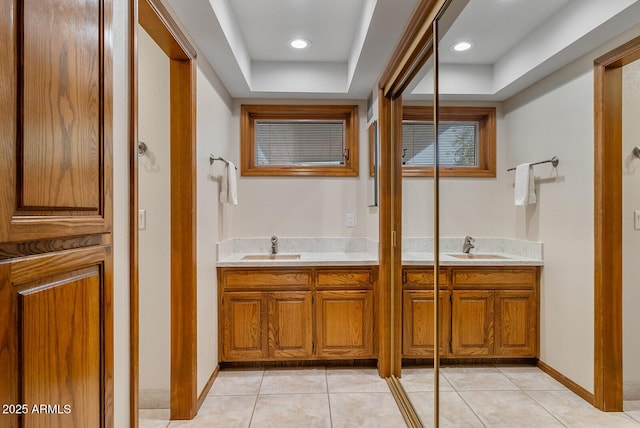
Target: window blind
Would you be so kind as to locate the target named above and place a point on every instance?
(458, 143)
(307, 142)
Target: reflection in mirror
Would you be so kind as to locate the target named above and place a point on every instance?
(373, 164)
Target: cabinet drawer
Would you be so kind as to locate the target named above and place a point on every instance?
(362, 278)
(423, 278)
(261, 279)
(495, 278)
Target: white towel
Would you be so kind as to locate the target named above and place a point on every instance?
(229, 185)
(232, 179)
(224, 187)
(525, 190)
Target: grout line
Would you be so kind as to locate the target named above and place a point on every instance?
(326, 379)
(253, 412)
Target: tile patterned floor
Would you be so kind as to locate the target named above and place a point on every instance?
(357, 397)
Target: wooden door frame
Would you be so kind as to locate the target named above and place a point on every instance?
(608, 391)
(154, 17)
(408, 57)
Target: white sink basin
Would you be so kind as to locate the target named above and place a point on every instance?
(271, 257)
(478, 256)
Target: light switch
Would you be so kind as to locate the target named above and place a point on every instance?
(142, 219)
(636, 220)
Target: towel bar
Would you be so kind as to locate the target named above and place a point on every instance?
(213, 158)
(554, 161)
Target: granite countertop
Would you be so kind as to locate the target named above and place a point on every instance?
(306, 259)
(364, 252)
(312, 252)
(477, 259)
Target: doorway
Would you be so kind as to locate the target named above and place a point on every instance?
(608, 378)
(631, 231)
(154, 18)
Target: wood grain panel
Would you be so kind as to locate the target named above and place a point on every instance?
(60, 150)
(290, 325)
(344, 324)
(344, 278)
(33, 267)
(421, 278)
(472, 323)
(254, 279)
(244, 326)
(418, 320)
(55, 156)
(516, 323)
(495, 278)
(61, 348)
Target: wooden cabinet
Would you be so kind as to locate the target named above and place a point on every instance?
(417, 323)
(516, 323)
(243, 319)
(345, 324)
(472, 323)
(296, 314)
(56, 193)
(492, 312)
(290, 324)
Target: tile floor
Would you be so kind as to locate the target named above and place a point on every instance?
(357, 397)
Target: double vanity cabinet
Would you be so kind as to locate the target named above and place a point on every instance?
(323, 305)
(296, 313)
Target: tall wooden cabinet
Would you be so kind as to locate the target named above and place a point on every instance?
(296, 313)
(56, 323)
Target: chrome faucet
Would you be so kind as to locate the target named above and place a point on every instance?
(468, 244)
(274, 245)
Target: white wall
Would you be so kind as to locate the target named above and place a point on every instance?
(630, 236)
(468, 206)
(154, 197)
(554, 117)
(120, 45)
(213, 137)
(304, 206)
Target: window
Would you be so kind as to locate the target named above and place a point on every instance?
(467, 141)
(307, 140)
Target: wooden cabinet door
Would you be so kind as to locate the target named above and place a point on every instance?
(344, 324)
(515, 324)
(56, 323)
(290, 324)
(472, 323)
(244, 326)
(417, 323)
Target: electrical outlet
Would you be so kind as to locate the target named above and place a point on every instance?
(636, 220)
(351, 220)
(142, 219)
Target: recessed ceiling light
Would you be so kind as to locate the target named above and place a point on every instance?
(462, 46)
(299, 43)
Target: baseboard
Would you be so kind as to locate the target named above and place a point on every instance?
(207, 387)
(154, 398)
(571, 385)
(631, 391)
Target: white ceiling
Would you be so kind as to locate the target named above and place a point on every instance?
(516, 42)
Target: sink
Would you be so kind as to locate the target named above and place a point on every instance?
(477, 256)
(271, 257)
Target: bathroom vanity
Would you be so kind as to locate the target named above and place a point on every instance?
(318, 300)
(485, 311)
(296, 313)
